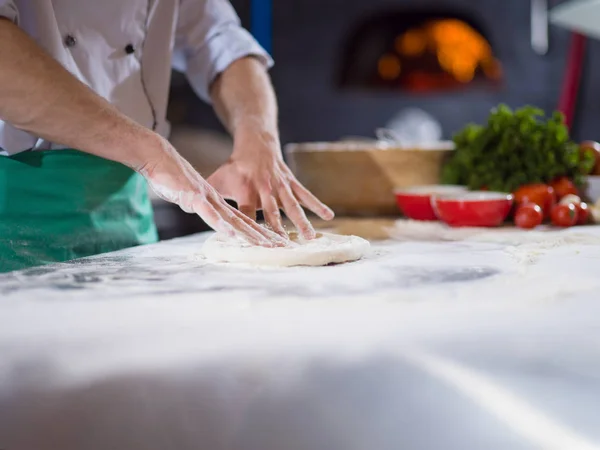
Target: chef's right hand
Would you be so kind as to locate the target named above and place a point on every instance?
(173, 179)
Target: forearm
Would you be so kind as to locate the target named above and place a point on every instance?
(39, 96)
(244, 99)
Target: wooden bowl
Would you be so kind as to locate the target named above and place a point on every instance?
(359, 178)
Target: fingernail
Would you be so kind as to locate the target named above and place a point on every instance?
(309, 233)
(328, 212)
(281, 242)
(280, 235)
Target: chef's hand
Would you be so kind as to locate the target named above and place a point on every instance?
(175, 180)
(256, 177)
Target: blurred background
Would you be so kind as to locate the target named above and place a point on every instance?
(344, 68)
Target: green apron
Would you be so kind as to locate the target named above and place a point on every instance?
(58, 205)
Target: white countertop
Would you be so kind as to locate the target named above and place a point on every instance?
(440, 338)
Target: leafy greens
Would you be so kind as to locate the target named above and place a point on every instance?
(514, 149)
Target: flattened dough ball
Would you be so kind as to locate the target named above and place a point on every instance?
(325, 249)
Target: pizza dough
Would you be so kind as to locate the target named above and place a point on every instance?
(325, 249)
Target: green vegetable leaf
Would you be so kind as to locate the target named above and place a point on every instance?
(515, 148)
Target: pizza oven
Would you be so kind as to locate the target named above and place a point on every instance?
(345, 68)
(418, 51)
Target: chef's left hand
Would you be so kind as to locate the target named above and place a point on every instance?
(256, 177)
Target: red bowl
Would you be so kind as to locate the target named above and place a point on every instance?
(473, 209)
(415, 202)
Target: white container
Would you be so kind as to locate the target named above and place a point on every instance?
(592, 189)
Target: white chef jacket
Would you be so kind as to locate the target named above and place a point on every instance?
(124, 51)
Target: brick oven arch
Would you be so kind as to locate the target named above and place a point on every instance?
(418, 51)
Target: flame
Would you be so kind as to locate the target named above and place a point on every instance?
(461, 51)
(411, 43)
(389, 67)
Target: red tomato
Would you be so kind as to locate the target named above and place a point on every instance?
(564, 215)
(540, 194)
(583, 213)
(563, 186)
(528, 216)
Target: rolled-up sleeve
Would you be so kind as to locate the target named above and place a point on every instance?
(208, 39)
(9, 10)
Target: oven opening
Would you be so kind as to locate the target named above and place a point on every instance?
(419, 52)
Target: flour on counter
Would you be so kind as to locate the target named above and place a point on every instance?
(160, 305)
(326, 249)
(524, 246)
(546, 237)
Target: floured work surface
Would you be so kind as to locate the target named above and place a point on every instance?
(155, 347)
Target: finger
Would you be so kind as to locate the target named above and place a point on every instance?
(295, 212)
(259, 235)
(242, 228)
(268, 234)
(271, 212)
(243, 223)
(222, 219)
(224, 208)
(309, 201)
(213, 219)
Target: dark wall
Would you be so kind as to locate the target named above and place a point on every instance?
(308, 38)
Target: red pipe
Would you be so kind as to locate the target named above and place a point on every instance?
(570, 87)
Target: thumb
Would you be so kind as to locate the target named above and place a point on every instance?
(215, 180)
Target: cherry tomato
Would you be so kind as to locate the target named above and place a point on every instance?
(540, 194)
(564, 215)
(563, 187)
(528, 216)
(583, 213)
(593, 148)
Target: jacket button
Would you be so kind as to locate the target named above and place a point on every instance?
(129, 49)
(70, 40)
